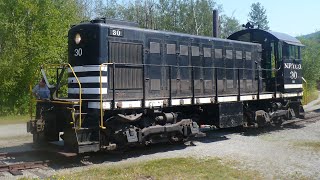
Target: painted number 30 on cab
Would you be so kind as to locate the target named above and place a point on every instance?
(78, 52)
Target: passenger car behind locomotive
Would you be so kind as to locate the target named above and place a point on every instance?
(129, 86)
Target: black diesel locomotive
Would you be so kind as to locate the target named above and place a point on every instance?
(130, 86)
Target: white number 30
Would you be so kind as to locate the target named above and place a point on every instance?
(78, 52)
(293, 75)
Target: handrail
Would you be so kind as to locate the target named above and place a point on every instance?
(79, 84)
(171, 66)
(175, 66)
(31, 94)
(306, 87)
(80, 94)
(101, 103)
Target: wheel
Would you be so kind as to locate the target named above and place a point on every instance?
(51, 136)
(38, 138)
(278, 122)
(176, 139)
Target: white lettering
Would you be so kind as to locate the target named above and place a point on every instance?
(292, 66)
(78, 52)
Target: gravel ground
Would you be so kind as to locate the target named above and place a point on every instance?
(274, 152)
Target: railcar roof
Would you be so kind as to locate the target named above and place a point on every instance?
(174, 33)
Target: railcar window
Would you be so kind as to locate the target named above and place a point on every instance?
(207, 52)
(195, 51)
(292, 52)
(218, 53)
(238, 54)
(248, 56)
(245, 37)
(229, 54)
(183, 50)
(280, 51)
(171, 49)
(154, 47)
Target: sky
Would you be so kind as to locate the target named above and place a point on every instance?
(294, 17)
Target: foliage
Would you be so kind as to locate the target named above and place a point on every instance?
(311, 61)
(258, 16)
(229, 25)
(191, 16)
(32, 33)
(310, 67)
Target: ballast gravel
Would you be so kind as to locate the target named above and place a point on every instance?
(276, 153)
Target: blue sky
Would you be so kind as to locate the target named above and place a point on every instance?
(294, 17)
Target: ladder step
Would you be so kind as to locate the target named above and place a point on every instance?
(87, 129)
(88, 146)
(88, 143)
(80, 113)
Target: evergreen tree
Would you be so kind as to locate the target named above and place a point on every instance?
(258, 16)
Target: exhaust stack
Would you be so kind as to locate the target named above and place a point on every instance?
(215, 23)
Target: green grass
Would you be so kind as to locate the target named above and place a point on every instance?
(14, 119)
(309, 95)
(314, 145)
(174, 168)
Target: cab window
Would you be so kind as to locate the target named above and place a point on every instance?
(291, 51)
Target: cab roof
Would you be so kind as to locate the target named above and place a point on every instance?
(282, 37)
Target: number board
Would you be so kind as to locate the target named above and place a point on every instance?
(116, 32)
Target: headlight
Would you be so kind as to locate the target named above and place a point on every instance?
(77, 38)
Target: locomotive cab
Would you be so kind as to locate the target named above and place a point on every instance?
(281, 69)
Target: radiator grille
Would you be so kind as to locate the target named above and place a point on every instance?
(126, 76)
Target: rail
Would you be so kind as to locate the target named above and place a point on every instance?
(51, 66)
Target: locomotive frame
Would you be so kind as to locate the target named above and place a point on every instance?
(165, 85)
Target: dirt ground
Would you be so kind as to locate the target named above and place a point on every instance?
(290, 152)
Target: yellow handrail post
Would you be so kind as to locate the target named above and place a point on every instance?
(80, 94)
(306, 94)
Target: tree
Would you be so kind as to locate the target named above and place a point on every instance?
(311, 60)
(32, 33)
(258, 16)
(190, 16)
(229, 25)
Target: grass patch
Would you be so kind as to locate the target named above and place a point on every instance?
(14, 119)
(173, 168)
(314, 145)
(309, 94)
